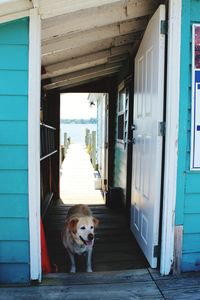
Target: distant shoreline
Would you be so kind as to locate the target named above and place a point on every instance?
(79, 121)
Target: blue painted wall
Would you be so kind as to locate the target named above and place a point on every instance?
(188, 183)
(14, 225)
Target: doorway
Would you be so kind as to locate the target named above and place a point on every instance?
(80, 180)
(115, 247)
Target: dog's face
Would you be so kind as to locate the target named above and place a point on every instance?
(83, 228)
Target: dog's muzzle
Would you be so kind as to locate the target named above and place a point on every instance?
(90, 236)
(90, 239)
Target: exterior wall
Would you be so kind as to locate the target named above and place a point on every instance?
(14, 223)
(188, 183)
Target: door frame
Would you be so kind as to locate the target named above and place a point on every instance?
(171, 136)
(170, 160)
(172, 119)
(34, 84)
(34, 95)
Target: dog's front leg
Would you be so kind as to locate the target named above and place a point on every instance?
(89, 260)
(72, 259)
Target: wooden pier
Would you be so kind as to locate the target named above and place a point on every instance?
(77, 178)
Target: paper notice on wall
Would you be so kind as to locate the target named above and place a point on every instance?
(195, 115)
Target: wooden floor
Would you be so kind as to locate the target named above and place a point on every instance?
(114, 249)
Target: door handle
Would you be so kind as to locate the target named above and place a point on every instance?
(133, 127)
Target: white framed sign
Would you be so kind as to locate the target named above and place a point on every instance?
(195, 116)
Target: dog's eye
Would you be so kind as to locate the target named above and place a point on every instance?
(91, 227)
(83, 227)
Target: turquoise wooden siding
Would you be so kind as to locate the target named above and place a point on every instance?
(14, 224)
(188, 183)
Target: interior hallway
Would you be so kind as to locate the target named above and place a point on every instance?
(77, 178)
(115, 247)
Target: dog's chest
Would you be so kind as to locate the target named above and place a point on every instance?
(80, 249)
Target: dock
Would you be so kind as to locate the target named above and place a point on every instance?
(77, 178)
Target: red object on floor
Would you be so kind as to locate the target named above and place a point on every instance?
(46, 266)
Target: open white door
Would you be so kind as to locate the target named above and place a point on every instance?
(147, 137)
(103, 154)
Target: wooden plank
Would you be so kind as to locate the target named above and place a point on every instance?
(109, 277)
(178, 239)
(14, 132)
(76, 64)
(19, 255)
(191, 223)
(14, 182)
(15, 32)
(66, 54)
(180, 288)
(83, 78)
(16, 229)
(90, 79)
(190, 262)
(51, 9)
(16, 55)
(192, 203)
(13, 157)
(192, 183)
(14, 82)
(15, 206)
(14, 273)
(191, 242)
(133, 290)
(61, 80)
(69, 25)
(85, 38)
(14, 103)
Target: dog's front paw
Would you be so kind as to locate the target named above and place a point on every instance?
(73, 270)
(89, 270)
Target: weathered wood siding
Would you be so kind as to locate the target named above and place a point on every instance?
(188, 183)
(14, 227)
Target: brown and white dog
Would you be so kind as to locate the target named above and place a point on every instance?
(78, 234)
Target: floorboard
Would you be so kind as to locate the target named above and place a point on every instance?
(115, 247)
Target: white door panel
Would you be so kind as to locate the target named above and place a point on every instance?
(147, 150)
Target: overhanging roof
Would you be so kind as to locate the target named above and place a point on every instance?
(84, 40)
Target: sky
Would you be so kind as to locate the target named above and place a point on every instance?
(76, 106)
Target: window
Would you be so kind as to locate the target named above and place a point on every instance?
(121, 110)
(122, 115)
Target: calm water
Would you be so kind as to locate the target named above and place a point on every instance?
(75, 131)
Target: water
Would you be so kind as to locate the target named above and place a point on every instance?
(75, 131)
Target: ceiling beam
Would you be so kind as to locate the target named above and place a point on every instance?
(76, 64)
(105, 15)
(79, 80)
(80, 73)
(52, 8)
(82, 62)
(14, 6)
(90, 80)
(90, 36)
(89, 49)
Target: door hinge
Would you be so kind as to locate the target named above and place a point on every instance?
(162, 129)
(164, 27)
(156, 251)
(105, 181)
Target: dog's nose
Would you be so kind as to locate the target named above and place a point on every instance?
(90, 236)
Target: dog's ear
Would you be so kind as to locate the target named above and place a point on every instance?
(72, 224)
(96, 222)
